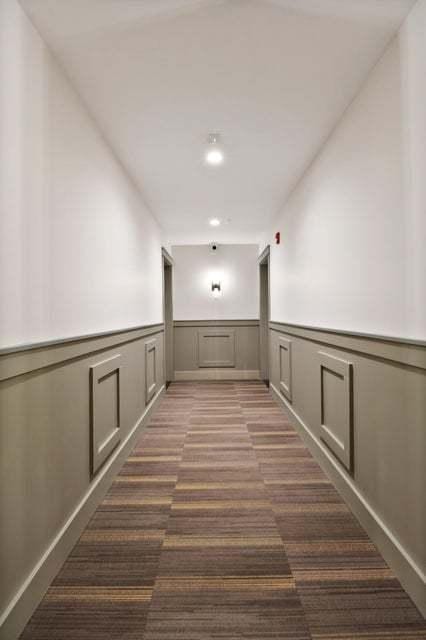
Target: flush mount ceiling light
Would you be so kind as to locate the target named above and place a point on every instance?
(214, 222)
(214, 152)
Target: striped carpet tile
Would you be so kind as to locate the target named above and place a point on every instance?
(223, 571)
(221, 525)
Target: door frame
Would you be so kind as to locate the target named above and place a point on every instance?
(264, 312)
(167, 271)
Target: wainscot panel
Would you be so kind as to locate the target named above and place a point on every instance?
(216, 349)
(105, 402)
(70, 412)
(151, 369)
(360, 404)
(336, 389)
(285, 367)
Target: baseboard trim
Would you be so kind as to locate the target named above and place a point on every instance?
(26, 600)
(399, 560)
(217, 374)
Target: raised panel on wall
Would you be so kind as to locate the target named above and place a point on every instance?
(150, 370)
(216, 348)
(105, 409)
(336, 379)
(285, 366)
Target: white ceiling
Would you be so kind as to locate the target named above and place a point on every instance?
(273, 76)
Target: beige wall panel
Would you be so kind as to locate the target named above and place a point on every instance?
(151, 358)
(216, 348)
(45, 446)
(390, 448)
(27, 358)
(246, 339)
(336, 419)
(285, 369)
(185, 348)
(105, 409)
(45, 464)
(389, 435)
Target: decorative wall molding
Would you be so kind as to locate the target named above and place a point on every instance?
(353, 334)
(105, 412)
(150, 370)
(215, 344)
(264, 255)
(336, 407)
(18, 361)
(285, 366)
(400, 351)
(216, 348)
(167, 257)
(31, 346)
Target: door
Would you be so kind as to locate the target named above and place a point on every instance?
(168, 316)
(264, 315)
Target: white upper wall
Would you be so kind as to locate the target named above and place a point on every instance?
(413, 77)
(353, 231)
(79, 252)
(273, 83)
(235, 266)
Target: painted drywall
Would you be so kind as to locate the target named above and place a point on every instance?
(196, 266)
(275, 85)
(79, 251)
(354, 229)
(413, 80)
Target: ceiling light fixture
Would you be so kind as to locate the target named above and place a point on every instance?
(214, 222)
(214, 152)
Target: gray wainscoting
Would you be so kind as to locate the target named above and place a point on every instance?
(216, 350)
(360, 404)
(70, 412)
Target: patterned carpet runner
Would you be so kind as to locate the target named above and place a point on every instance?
(222, 526)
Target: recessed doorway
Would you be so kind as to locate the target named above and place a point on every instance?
(264, 314)
(168, 316)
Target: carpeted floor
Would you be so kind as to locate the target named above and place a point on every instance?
(222, 526)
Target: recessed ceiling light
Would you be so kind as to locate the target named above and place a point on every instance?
(214, 222)
(214, 152)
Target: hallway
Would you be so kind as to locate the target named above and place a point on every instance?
(212, 319)
(221, 525)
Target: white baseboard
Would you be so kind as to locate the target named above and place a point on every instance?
(399, 560)
(217, 374)
(28, 597)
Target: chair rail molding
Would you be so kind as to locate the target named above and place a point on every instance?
(105, 399)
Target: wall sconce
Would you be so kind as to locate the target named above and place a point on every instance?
(214, 153)
(216, 289)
